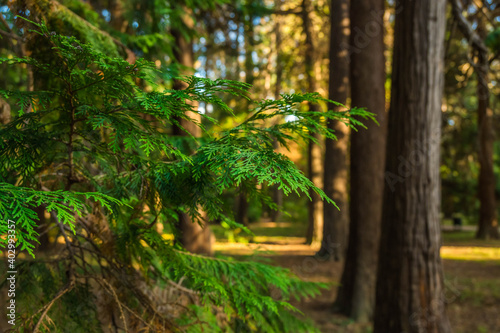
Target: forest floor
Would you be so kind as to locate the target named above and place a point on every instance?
(471, 267)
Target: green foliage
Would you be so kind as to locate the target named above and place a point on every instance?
(493, 40)
(16, 203)
(96, 149)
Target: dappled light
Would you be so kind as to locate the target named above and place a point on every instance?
(249, 166)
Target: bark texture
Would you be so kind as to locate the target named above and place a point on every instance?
(356, 295)
(336, 222)
(410, 288)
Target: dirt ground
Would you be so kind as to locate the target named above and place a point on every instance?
(472, 287)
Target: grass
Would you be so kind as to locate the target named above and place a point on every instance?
(262, 232)
(470, 253)
(466, 238)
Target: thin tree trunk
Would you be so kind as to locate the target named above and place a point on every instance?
(277, 193)
(195, 238)
(336, 222)
(488, 223)
(242, 207)
(315, 211)
(410, 287)
(315, 165)
(356, 296)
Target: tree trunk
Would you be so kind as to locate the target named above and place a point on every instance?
(356, 296)
(5, 115)
(488, 223)
(195, 238)
(336, 223)
(248, 28)
(277, 193)
(314, 163)
(242, 207)
(410, 287)
(315, 209)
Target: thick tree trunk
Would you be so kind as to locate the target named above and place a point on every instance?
(195, 238)
(356, 295)
(314, 160)
(488, 223)
(336, 223)
(410, 287)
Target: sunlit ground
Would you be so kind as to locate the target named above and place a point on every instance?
(472, 271)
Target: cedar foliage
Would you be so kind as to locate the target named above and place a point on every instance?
(94, 149)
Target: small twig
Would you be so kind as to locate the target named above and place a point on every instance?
(68, 243)
(47, 307)
(187, 290)
(10, 35)
(119, 304)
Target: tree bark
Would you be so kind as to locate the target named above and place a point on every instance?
(314, 160)
(195, 238)
(410, 288)
(336, 222)
(356, 296)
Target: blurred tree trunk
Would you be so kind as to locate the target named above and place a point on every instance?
(356, 296)
(488, 223)
(314, 160)
(242, 207)
(336, 222)
(277, 194)
(5, 116)
(410, 286)
(195, 238)
(117, 18)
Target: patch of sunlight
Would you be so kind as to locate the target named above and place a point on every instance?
(168, 236)
(278, 239)
(470, 253)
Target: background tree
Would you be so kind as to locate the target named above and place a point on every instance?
(195, 237)
(410, 288)
(336, 220)
(356, 294)
(314, 151)
(488, 222)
